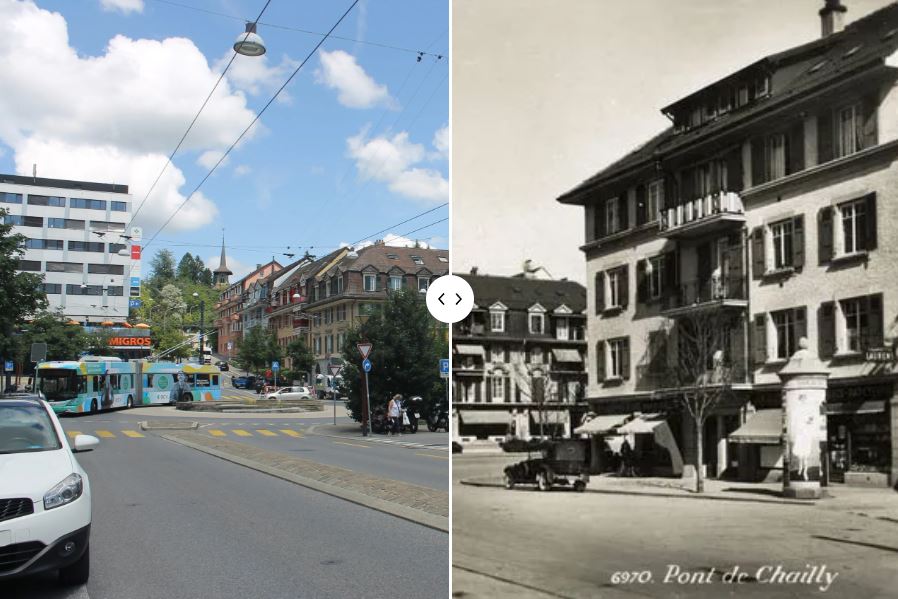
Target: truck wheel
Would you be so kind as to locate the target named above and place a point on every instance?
(542, 481)
(77, 573)
(579, 486)
(509, 481)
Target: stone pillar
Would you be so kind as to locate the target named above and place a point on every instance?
(804, 380)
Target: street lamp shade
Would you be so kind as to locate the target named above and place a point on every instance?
(296, 297)
(195, 294)
(249, 43)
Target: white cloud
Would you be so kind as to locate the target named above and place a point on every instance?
(242, 169)
(124, 6)
(392, 240)
(114, 116)
(210, 158)
(356, 89)
(391, 160)
(442, 140)
(255, 76)
(238, 268)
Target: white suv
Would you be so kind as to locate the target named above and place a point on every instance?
(45, 508)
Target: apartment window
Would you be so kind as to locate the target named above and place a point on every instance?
(88, 204)
(86, 290)
(417, 260)
(87, 246)
(654, 200)
(392, 257)
(119, 206)
(857, 321)
(497, 322)
(782, 244)
(36, 200)
(115, 291)
(656, 277)
(854, 226)
(370, 282)
(102, 225)
(106, 269)
(423, 283)
(340, 284)
(52, 288)
(561, 328)
(65, 267)
(847, 130)
(618, 358)
(775, 157)
(10, 198)
(43, 244)
(536, 355)
(341, 312)
(443, 259)
(617, 288)
(536, 324)
(498, 388)
(29, 265)
(790, 327)
(395, 282)
(65, 223)
(612, 216)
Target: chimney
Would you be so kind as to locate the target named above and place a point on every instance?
(473, 270)
(832, 17)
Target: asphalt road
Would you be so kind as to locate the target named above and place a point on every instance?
(172, 522)
(524, 543)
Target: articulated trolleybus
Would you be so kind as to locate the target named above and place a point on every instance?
(97, 383)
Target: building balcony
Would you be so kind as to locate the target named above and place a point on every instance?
(469, 329)
(726, 292)
(712, 213)
(650, 377)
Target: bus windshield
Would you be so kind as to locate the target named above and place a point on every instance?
(58, 385)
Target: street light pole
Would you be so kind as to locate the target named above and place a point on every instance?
(202, 326)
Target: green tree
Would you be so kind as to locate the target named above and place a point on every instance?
(64, 341)
(302, 360)
(258, 349)
(407, 347)
(162, 269)
(20, 292)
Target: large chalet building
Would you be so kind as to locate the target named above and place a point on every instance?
(769, 200)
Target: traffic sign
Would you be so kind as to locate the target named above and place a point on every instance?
(230, 346)
(366, 365)
(444, 367)
(38, 352)
(275, 366)
(9, 365)
(365, 349)
(135, 281)
(335, 369)
(134, 303)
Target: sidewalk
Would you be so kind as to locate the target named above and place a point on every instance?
(354, 431)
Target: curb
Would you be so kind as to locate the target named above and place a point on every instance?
(399, 511)
(161, 425)
(489, 484)
(408, 445)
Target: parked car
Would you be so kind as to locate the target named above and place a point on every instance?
(240, 382)
(45, 498)
(291, 393)
(224, 366)
(456, 447)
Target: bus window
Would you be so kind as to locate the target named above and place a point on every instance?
(214, 380)
(149, 381)
(96, 384)
(82, 384)
(202, 380)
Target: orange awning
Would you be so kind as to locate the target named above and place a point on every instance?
(141, 325)
(107, 323)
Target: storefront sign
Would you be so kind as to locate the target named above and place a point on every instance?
(130, 342)
(880, 355)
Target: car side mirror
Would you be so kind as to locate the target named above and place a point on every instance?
(85, 443)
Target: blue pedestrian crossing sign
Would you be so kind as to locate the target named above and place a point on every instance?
(8, 365)
(444, 367)
(366, 365)
(275, 365)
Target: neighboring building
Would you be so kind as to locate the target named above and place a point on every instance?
(359, 281)
(230, 308)
(771, 198)
(517, 359)
(75, 231)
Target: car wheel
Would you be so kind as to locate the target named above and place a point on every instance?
(579, 486)
(130, 402)
(432, 427)
(77, 573)
(93, 406)
(542, 481)
(509, 482)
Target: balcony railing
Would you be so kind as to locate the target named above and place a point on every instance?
(469, 329)
(651, 378)
(726, 291)
(702, 214)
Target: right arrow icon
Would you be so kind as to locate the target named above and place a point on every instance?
(459, 299)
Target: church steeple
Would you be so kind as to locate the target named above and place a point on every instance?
(222, 273)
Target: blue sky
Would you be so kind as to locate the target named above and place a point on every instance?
(358, 142)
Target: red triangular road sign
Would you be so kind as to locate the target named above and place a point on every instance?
(335, 369)
(364, 349)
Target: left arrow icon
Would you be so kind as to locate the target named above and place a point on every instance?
(440, 299)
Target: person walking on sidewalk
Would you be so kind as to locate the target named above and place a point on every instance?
(394, 411)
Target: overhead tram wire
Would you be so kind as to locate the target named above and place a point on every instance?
(402, 223)
(192, 123)
(305, 31)
(257, 117)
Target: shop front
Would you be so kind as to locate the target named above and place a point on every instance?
(859, 435)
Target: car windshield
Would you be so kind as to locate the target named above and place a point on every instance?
(60, 384)
(26, 427)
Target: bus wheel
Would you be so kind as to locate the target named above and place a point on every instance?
(187, 397)
(93, 406)
(130, 402)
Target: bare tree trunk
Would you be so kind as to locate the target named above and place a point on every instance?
(699, 451)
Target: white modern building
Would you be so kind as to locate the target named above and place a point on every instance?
(76, 240)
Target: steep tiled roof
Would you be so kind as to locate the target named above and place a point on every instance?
(385, 257)
(862, 44)
(518, 293)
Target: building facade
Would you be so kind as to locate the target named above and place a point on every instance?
(230, 308)
(764, 209)
(518, 359)
(75, 232)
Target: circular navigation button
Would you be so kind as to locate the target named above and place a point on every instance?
(450, 299)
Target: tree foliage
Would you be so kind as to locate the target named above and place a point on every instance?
(258, 349)
(408, 344)
(20, 293)
(302, 360)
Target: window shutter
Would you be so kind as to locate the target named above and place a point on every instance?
(625, 359)
(868, 133)
(489, 389)
(795, 141)
(759, 264)
(734, 170)
(870, 241)
(735, 271)
(798, 242)
(507, 387)
(600, 361)
(670, 273)
(875, 327)
(801, 324)
(824, 136)
(600, 292)
(641, 206)
(825, 235)
(671, 191)
(760, 338)
(642, 282)
(757, 162)
(623, 210)
(826, 329)
(624, 291)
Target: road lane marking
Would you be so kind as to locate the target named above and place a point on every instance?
(351, 444)
(105, 434)
(217, 433)
(241, 433)
(132, 434)
(290, 433)
(266, 433)
(430, 455)
(74, 434)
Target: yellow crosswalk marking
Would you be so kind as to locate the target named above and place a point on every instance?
(105, 434)
(132, 434)
(217, 433)
(290, 433)
(74, 434)
(266, 433)
(241, 433)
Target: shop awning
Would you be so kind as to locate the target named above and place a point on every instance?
(866, 407)
(644, 423)
(601, 425)
(469, 350)
(765, 427)
(566, 355)
(484, 417)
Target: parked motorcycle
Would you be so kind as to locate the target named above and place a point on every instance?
(380, 424)
(438, 420)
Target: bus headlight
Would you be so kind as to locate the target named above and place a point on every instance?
(67, 491)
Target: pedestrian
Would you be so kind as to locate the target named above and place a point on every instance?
(394, 411)
(626, 453)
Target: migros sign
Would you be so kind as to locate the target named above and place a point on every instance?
(129, 342)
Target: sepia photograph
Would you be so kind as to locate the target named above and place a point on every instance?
(679, 374)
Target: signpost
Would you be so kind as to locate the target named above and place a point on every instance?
(365, 350)
(444, 373)
(275, 366)
(335, 370)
